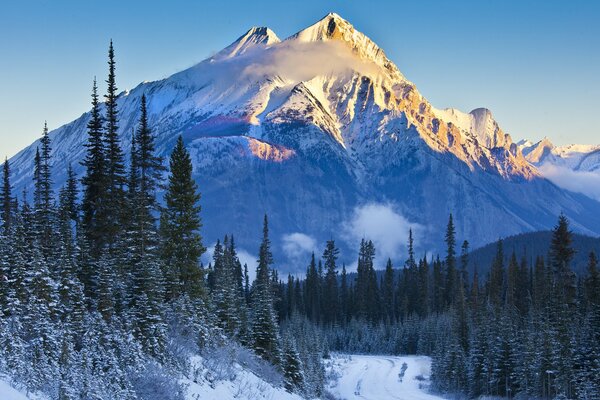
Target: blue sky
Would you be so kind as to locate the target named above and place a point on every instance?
(535, 64)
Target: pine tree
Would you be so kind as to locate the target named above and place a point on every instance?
(423, 308)
(561, 255)
(94, 180)
(181, 243)
(450, 261)
(6, 199)
(366, 283)
(265, 332)
(113, 203)
(227, 293)
(330, 292)
(388, 291)
(312, 301)
(149, 166)
(344, 297)
(293, 370)
(592, 281)
(43, 207)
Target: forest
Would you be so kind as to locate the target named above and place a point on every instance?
(102, 293)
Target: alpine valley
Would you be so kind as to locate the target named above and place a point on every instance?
(311, 128)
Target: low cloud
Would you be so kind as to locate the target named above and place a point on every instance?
(298, 247)
(385, 226)
(584, 182)
(301, 61)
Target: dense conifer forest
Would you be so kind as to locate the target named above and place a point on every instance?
(102, 294)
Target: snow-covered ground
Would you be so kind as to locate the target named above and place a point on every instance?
(380, 377)
(7, 392)
(241, 384)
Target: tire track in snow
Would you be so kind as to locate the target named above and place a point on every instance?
(377, 378)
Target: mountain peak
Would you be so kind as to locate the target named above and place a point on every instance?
(255, 36)
(333, 27)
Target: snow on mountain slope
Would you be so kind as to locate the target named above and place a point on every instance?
(256, 36)
(380, 377)
(309, 128)
(578, 157)
(574, 167)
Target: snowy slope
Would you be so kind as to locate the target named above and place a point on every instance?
(7, 392)
(380, 377)
(243, 385)
(311, 127)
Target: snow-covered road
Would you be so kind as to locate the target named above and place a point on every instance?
(380, 377)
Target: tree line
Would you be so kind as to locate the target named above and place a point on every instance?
(528, 330)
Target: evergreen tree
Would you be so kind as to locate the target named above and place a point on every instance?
(344, 297)
(450, 239)
(181, 243)
(44, 202)
(149, 169)
(6, 199)
(312, 300)
(592, 281)
(292, 366)
(330, 292)
(265, 333)
(113, 202)
(388, 291)
(561, 255)
(94, 180)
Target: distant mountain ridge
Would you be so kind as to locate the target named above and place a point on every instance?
(578, 157)
(311, 128)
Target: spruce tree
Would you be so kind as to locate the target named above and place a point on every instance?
(312, 300)
(149, 170)
(265, 332)
(6, 199)
(330, 292)
(94, 179)
(561, 255)
(181, 243)
(388, 291)
(344, 297)
(44, 201)
(450, 261)
(113, 203)
(592, 281)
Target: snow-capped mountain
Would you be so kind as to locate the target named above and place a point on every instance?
(574, 167)
(309, 128)
(577, 157)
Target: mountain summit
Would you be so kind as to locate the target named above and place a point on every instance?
(311, 128)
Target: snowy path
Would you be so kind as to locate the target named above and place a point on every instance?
(378, 377)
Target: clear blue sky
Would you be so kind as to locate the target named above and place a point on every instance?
(535, 64)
